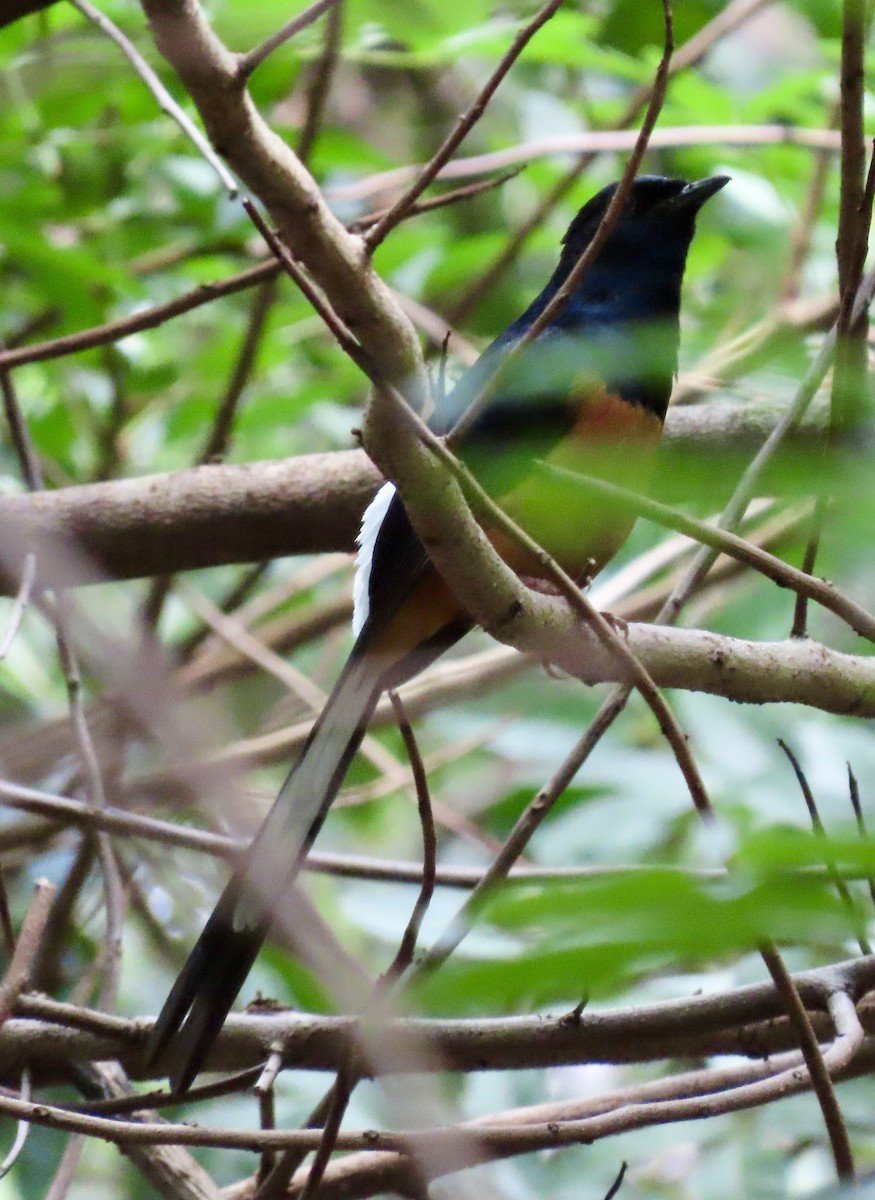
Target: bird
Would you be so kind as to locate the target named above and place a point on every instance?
(588, 394)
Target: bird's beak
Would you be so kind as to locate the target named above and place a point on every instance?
(694, 195)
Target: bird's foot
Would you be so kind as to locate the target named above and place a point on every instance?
(619, 626)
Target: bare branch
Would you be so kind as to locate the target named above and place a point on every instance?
(214, 515)
(19, 608)
(596, 141)
(406, 949)
(165, 101)
(248, 62)
(854, 791)
(320, 84)
(823, 1087)
(27, 944)
(463, 127)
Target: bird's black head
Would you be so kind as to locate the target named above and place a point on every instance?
(621, 322)
(654, 203)
(641, 264)
(620, 325)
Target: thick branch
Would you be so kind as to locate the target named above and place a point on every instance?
(204, 516)
(215, 515)
(748, 1021)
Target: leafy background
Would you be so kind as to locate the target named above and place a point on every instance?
(106, 209)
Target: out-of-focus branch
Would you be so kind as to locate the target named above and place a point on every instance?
(26, 946)
(595, 141)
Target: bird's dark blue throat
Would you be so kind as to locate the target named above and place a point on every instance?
(620, 326)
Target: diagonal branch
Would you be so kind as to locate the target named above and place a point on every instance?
(463, 127)
(273, 172)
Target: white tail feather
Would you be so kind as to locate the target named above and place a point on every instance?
(372, 520)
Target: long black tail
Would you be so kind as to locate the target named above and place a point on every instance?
(217, 967)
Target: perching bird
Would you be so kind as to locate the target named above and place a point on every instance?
(589, 394)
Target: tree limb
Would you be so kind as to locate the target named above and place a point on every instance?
(215, 515)
(747, 1020)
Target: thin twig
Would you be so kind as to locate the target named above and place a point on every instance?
(321, 79)
(113, 886)
(854, 790)
(148, 318)
(526, 825)
(855, 215)
(19, 606)
(800, 242)
(166, 833)
(342, 335)
(624, 187)
(340, 1097)
(165, 101)
(264, 1090)
(618, 1182)
(592, 142)
(820, 1078)
(6, 928)
(817, 825)
(27, 944)
(25, 453)
(849, 1031)
(407, 947)
(21, 1130)
(236, 595)
(48, 974)
(246, 63)
(466, 192)
(463, 127)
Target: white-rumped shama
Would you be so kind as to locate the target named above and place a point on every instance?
(589, 393)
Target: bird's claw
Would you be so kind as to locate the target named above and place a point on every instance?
(619, 626)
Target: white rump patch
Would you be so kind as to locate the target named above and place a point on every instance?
(371, 523)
